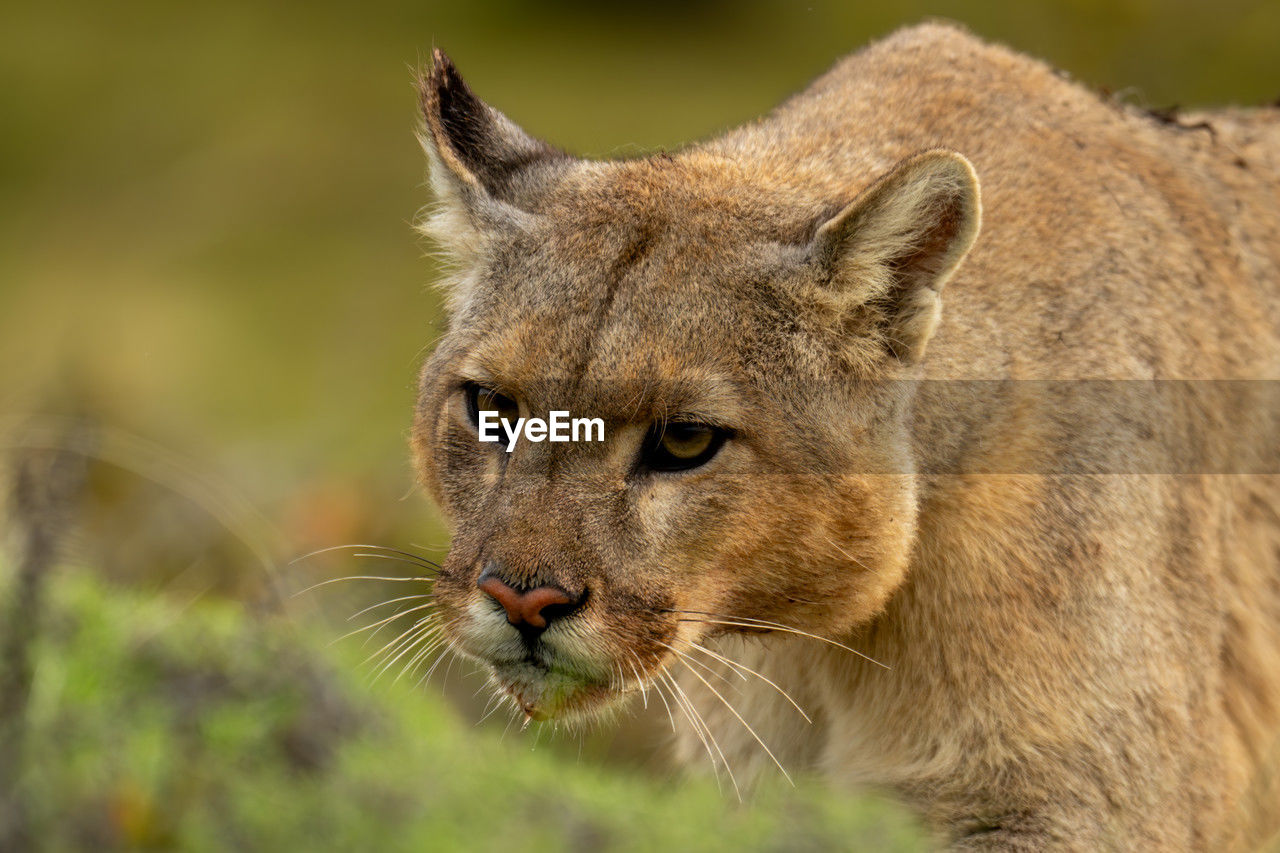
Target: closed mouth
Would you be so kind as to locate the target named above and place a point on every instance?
(542, 690)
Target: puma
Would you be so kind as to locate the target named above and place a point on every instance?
(861, 366)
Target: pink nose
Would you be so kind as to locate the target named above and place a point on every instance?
(531, 610)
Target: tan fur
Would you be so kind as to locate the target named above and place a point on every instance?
(1074, 658)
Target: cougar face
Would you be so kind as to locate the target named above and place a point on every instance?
(731, 337)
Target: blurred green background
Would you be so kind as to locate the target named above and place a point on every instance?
(209, 287)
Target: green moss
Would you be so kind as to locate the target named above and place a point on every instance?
(208, 729)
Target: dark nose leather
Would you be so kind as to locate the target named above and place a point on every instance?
(529, 610)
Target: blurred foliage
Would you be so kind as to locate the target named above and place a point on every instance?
(157, 727)
(207, 268)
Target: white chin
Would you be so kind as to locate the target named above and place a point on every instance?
(544, 694)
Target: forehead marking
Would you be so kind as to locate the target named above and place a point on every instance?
(633, 253)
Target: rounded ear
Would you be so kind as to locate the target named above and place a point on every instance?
(485, 170)
(896, 245)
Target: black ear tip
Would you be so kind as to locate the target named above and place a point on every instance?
(441, 64)
(441, 84)
(444, 74)
(436, 76)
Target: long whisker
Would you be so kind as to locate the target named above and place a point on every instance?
(644, 684)
(751, 622)
(449, 667)
(420, 659)
(697, 720)
(380, 622)
(718, 675)
(385, 603)
(448, 652)
(706, 728)
(657, 688)
(395, 641)
(418, 636)
(396, 558)
(491, 707)
(745, 724)
(451, 653)
(427, 649)
(438, 639)
(743, 667)
(360, 578)
(515, 715)
(409, 637)
(428, 606)
(423, 561)
(423, 633)
(616, 678)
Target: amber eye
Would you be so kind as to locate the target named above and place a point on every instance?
(680, 445)
(483, 399)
